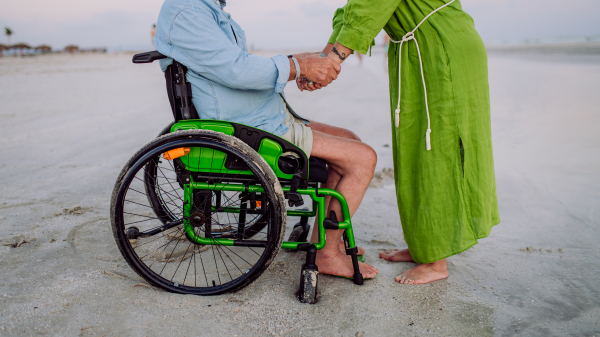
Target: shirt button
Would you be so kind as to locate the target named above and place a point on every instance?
(281, 111)
(217, 2)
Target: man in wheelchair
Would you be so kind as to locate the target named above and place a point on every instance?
(230, 84)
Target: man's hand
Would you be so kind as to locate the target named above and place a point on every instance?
(322, 70)
(317, 69)
(303, 84)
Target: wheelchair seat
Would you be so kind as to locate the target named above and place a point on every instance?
(317, 170)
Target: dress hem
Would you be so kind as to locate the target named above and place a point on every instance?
(460, 251)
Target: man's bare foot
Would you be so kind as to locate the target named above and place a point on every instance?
(340, 264)
(396, 255)
(424, 273)
(361, 250)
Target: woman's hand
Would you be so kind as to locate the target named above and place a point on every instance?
(317, 69)
(338, 56)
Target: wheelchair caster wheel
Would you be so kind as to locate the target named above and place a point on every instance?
(297, 236)
(308, 286)
(309, 277)
(132, 233)
(299, 233)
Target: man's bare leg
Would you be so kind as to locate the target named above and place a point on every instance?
(333, 177)
(354, 162)
(332, 181)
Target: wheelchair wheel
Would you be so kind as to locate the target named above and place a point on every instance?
(157, 225)
(159, 199)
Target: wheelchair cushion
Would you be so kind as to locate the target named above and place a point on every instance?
(317, 170)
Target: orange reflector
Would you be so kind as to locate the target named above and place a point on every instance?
(258, 203)
(176, 153)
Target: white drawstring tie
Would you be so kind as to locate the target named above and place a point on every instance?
(407, 37)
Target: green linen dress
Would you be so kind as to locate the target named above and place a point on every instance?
(446, 196)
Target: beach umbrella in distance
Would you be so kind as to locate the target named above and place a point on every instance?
(8, 32)
(72, 48)
(44, 49)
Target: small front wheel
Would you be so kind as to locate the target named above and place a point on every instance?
(309, 280)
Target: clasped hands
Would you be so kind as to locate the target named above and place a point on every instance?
(316, 72)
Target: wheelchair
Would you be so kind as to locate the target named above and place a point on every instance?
(201, 209)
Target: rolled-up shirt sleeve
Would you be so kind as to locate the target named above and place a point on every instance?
(283, 68)
(199, 43)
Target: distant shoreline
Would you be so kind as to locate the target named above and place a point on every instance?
(579, 48)
(548, 48)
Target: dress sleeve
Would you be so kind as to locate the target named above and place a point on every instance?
(361, 22)
(338, 21)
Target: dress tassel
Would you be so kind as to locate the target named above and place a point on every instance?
(428, 139)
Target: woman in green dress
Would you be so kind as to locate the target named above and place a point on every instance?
(441, 129)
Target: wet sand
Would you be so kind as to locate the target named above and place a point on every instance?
(68, 124)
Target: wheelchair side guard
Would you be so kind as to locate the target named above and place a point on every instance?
(268, 146)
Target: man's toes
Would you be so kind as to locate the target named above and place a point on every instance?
(368, 269)
(371, 271)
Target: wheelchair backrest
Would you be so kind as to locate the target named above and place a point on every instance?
(179, 90)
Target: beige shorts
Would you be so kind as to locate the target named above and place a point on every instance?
(298, 133)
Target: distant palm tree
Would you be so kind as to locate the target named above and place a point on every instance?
(8, 33)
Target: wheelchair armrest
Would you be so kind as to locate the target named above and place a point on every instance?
(148, 57)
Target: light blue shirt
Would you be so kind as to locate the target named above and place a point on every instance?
(228, 83)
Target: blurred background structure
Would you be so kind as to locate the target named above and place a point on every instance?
(124, 25)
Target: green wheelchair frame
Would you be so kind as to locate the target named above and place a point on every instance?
(199, 164)
(270, 151)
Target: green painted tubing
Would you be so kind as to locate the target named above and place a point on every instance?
(318, 200)
(291, 245)
(295, 212)
(291, 212)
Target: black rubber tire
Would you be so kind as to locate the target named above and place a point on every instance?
(200, 138)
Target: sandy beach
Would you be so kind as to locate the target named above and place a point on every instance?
(69, 123)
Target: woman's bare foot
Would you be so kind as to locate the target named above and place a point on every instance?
(396, 255)
(340, 264)
(424, 273)
(361, 251)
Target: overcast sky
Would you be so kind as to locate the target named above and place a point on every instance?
(273, 24)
